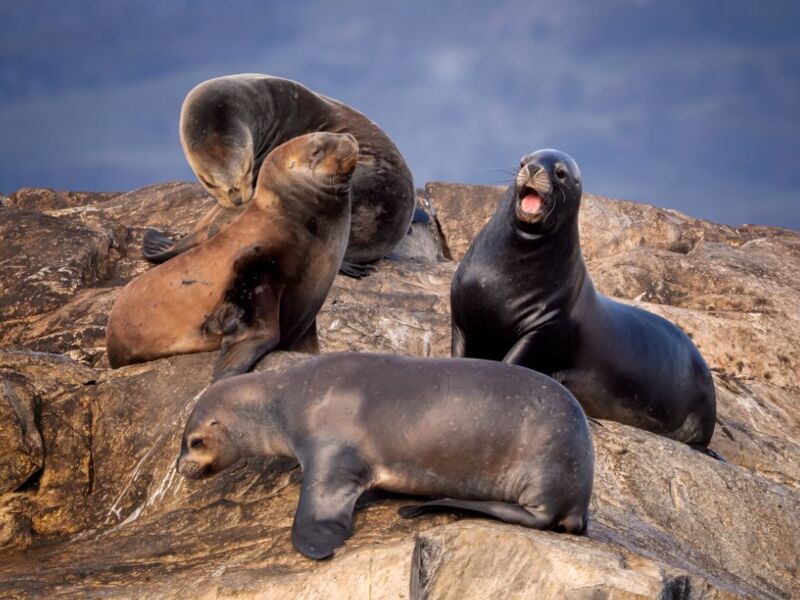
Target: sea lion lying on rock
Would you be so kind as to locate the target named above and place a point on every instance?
(478, 435)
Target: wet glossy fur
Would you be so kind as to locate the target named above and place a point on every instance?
(522, 295)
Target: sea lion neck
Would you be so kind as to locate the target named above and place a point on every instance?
(304, 196)
(551, 257)
(540, 238)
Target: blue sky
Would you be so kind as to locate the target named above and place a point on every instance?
(691, 105)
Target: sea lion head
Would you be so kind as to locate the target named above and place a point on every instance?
(207, 446)
(320, 161)
(224, 165)
(547, 190)
(217, 143)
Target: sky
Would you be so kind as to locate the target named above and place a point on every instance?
(686, 104)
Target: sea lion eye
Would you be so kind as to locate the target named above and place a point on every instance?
(561, 172)
(196, 443)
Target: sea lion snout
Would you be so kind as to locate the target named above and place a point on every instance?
(348, 153)
(235, 198)
(190, 468)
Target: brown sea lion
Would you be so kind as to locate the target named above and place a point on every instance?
(258, 284)
(522, 295)
(480, 436)
(229, 124)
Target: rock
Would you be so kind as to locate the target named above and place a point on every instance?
(403, 308)
(45, 200)
(21, 450)
(45, 260)
(461, 212)
(98, 510)
(477, 560)
(663, 500)
(46, 503)
(76, 328)
(664, 512)
(174, 206)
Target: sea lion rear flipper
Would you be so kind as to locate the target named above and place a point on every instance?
(331, 487)
(355, 270)
(510, 513)
(249, 317)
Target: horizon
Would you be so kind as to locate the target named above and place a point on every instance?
(688, 106)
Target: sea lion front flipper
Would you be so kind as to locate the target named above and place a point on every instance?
(420, 216)
(708, 452)
(458, 346)
(158, 248)
(309, 342)
(510, 513)
(249, 317)
(332, 483)
(521, 350)
(240, 357)
(355, 270)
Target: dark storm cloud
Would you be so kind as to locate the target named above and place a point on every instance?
(688, 105)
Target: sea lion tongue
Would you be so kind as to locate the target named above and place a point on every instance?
(531, 203)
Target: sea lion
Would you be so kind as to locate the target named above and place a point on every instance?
(522, 295)
(229, 124)
(481, 436)
(258, 284)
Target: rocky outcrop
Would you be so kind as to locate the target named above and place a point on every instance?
(91, 506)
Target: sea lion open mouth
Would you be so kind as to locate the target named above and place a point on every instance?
(530, 202)
(533, 192)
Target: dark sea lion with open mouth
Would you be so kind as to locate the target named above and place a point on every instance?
(229, 124)
(480, 436)
(258, 284)
(522, 295)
